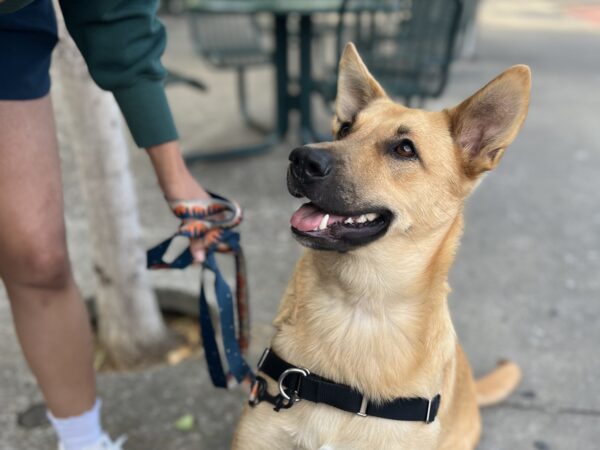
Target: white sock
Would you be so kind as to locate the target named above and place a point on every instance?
(76, 433)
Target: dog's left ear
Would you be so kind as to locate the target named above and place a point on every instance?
(356, 86)
(487, 122)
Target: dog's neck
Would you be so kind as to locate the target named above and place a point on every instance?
(372, 318)
(388, 274)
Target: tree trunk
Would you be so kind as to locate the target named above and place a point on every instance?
(131, 327)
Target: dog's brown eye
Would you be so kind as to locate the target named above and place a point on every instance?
(344, 130)
(405, 149)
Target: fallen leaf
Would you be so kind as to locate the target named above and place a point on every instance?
(185, 422)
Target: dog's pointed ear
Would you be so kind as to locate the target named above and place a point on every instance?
(487, 122)
(356, 86)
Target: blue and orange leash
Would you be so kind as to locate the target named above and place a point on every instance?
(213, 221)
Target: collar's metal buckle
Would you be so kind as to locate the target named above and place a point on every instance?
(427, 419)
(363, 407)
(293, 397)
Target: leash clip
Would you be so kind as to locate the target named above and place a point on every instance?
(257, 391)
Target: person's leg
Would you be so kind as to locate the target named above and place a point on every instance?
(49, 315)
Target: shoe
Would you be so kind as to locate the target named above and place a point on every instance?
(105, 443)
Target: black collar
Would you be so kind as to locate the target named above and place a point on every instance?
(297, 383)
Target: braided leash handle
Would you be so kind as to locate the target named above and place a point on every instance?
(205, 219)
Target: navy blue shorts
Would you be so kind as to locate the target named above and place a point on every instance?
(27, 38)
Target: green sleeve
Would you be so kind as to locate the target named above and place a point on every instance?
(122, 42)
(10, 6)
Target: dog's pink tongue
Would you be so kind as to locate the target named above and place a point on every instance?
(307, 217)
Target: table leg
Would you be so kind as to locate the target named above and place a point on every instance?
(282, 74)
(307, 133)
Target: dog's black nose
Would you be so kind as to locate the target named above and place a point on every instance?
(311, 164)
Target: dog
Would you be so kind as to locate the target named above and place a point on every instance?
(366, 307)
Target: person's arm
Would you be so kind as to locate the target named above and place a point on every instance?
(176, 182)
(122, 42)
(173, 176)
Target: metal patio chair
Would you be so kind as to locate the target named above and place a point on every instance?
(407, 44)
(231, 42)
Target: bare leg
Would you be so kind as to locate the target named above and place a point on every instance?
(49, 315)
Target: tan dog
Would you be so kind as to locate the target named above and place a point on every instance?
(387, 199)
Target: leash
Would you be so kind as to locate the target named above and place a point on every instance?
(212, 221)
(298, 383)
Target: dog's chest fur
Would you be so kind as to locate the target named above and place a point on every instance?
(374, 344)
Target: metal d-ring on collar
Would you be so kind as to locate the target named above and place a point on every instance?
(294, 393)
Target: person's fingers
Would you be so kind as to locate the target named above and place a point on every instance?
(198, 250)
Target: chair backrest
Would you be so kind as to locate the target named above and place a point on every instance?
(407, 44)
(224, 38)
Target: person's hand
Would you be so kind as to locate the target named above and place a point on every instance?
(190, 190)
(177, 183)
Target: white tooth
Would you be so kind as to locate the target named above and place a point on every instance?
(324, 221)
(349, 220)
(371, 217)
(362, 219)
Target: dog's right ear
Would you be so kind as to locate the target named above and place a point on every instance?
(356, 86)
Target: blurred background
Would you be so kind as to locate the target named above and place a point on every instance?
(250, 80)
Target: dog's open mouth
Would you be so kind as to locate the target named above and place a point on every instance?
(316, 228)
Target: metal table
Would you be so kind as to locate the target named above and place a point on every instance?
(286, 101)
